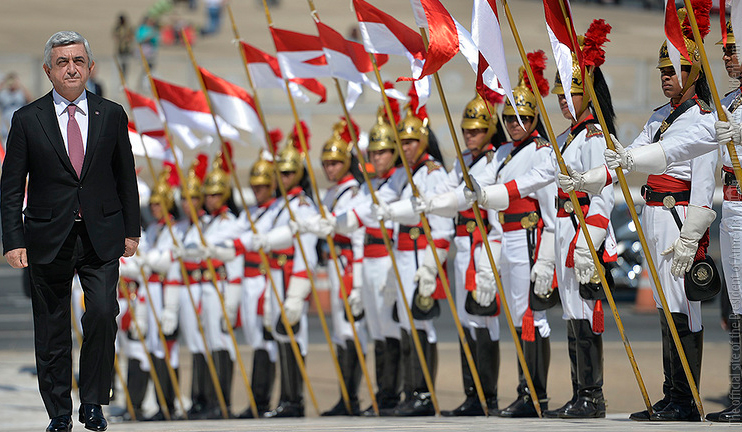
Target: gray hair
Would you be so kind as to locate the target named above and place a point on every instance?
(64, 38)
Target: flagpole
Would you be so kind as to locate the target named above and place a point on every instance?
(263, 257)
(578, 210)
(171, 372)
(488, 249)
(386, 237)
(282, 189)
(329, 238)
(191, 210)
(712, 85)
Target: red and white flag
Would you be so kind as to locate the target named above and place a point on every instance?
(187, 109)
(233, 103)
(562, 35)
(300, 55)
(674, 34)
(153, 147)
(144, 112)
(383, 34)
(487, 36)
(266, 73)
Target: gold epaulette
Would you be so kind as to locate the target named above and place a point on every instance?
(593, 131)
(432, 166)
(490, 156)
(541, 142)
(354, 191)
(303, 200)
(705, 108)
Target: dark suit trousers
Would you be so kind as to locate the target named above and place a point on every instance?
(51, 292)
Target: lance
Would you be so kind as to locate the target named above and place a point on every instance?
(386, 238)
(78, 336)
(490, 257)
(191, 210)
(160, 333)
(329, 239)
(140, 336)
(573, 198)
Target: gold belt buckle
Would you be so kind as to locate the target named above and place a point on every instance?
(414, 233)
(471, 226)
(263, 270)
(501, 217)
(568, 206)
(668, 201)
(196, 275)
(207, 275)
(530, 220)
(282, 259)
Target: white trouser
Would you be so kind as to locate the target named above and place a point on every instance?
(407, 268)
(661, 232)
(730, 242)
(341, 328)
(188, 320)
(212, 316)
(252, 323)
(378, 314)
(461, 264)
(516, 279)
(573, 305)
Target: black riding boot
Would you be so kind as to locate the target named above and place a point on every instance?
(471, 405)
(390, 379)
(136, 382)
(682, 407)
(202, 389)
(224, 371)
(263, 376)
(572, 350)
(488, 366)
(590, 402)
(733, 413)
(538, 357)
(292, 386)
(351, 369)
(420, 404)
(666, 369)
(168, 390)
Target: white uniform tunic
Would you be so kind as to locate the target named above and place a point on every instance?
(427, 174)
(340, 198)
(302, 207)
(254, 281)
(730, 230)
(583, 152)
(510, 163)
(693, 126)
(377, 270)
(463, 243)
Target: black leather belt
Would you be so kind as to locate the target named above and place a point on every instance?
(668, 199)
(566, 204)
(527, 219)
(730, 179)
(368, 239)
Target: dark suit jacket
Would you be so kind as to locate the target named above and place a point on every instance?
(106, 192)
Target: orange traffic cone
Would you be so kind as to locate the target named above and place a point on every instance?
(644, 302)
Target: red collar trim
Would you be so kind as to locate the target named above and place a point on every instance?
(389, 173)
(533, 134)
(424, 158)
(346, 179)
(673, 105)
(296, 190)
(588, 118)
(267, 203)
(220, 210)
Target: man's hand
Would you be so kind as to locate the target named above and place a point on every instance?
(130, 247)
(17, 258)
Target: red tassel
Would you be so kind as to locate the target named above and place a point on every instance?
(528, 333)
(598, 321)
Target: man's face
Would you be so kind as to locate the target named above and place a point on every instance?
(333, 169)
(69, 71)
(731, 62)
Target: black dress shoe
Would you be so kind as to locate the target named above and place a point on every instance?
(556, 413)
(469, 408)
(644, 415)
(287, 409)
(585, 407)
(522, 408)
(733, 414)
(61, 423)
(247, 414)
(419, 405)
(676, 412)
(340, 410)
(91, 416)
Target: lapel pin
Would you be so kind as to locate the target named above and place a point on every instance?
(97, 112)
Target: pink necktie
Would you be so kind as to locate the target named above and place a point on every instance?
(74, 140)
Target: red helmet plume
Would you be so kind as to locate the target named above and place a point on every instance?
(701, 9)
(276, 136)
(537, 59)
(345, 133)
(202, 166)
(595, 38)
(295, 136)
(393, 103)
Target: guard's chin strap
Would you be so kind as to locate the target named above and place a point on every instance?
(695, 70)
(585, 95)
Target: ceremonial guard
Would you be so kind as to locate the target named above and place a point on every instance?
(582, 147)
(679, 196)
(482, 135)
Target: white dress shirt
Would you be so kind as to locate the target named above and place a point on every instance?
(81, 115)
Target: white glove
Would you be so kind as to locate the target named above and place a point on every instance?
(389, 288)
(485, 277)
(584, 264)
(159, 260)
(194, 252)
(542, 273)
(296, 295)
(355, 302)
(728, 130)
(170, 309)
(232, 298)
(697, 221)
(494, 197)
(426, 273)
(381, 211)
(446, 204)
(223, 252)
(592, 181)
(141, 314)
(177, 252)
(619, 157)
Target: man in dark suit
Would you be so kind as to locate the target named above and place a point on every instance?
(81, 216)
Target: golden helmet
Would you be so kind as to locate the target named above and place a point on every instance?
(162, 193)
(262, 173)
(381, 136)
(290, 159)
(217, 182)
(194, 180)
(730, 35)
(576, 87)
(480, 114)
(413, 128)
(690, 45)
(337, 147)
